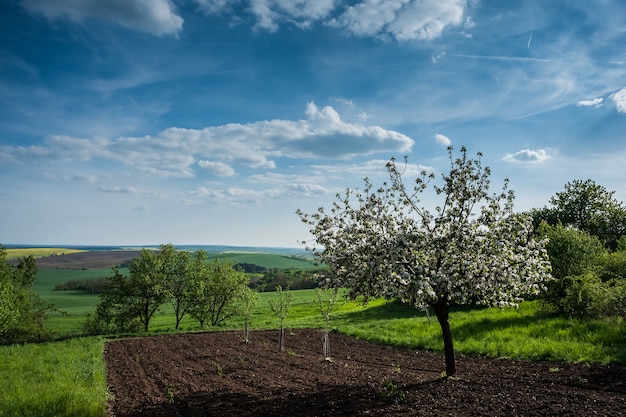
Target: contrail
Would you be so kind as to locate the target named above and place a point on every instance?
(530, 38)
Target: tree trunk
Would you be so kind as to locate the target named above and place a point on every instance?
(441, 310)
(326, 341)
(281, 337)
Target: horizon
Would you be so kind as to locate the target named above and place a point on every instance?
(214, 121)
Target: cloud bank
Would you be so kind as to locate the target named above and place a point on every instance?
(178, 152)
(403, 20)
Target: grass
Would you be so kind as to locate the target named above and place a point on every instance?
(67, 378)
(53, 379)
(267, 260)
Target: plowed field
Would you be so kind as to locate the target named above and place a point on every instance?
(215, 374)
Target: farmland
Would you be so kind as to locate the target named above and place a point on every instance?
(529, 333)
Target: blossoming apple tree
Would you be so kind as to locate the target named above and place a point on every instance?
(471, 249)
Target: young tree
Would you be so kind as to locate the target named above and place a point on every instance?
(280, 306)
(473, 248)
(326, 300)
(215, 291)
(248, 301)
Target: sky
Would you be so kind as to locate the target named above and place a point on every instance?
(141, 122)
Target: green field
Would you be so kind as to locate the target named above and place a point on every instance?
(267, 260)
(70, 373)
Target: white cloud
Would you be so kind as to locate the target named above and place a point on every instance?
(442, 140)
(375, 168)
(118, 189)
(158, 17)
(176, 151)
(620, 100)
(596, 102)
(438, 57)
(271, 13)
(216, 6)
(401, 19)
(66, 177)
(218, 168)
(527, 156)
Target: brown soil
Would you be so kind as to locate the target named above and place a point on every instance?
(215, 374)
(87, 260)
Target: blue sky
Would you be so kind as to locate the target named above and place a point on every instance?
(212, 121)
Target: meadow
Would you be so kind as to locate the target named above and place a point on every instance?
(66, 377)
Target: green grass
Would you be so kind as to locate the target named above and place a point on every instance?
(53, 379)
(67, 378)
(73, 306)
(267, 260)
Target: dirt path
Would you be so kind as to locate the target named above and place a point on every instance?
(215, 374)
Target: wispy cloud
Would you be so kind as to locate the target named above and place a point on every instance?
(504, 58)
(620, 100)
(153, 16)
(527, 156)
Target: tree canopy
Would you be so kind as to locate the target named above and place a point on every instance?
(473, 248)
(589, 207)
(22, 311)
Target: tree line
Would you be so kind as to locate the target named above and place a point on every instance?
(209, 291)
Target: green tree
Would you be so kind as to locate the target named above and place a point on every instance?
(613, 266)
(472, 249)
(215, 291)
(248, 301)
(22, 311)
(180, 278)
(139, 295)
(586, 206)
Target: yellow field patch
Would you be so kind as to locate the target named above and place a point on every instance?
(14, 253)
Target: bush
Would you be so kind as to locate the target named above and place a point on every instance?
(588, 295)
(580, 294)
(573, 253)
(610, 300)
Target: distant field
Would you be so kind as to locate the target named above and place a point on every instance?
(109, 258)
(267, 260)
(88, 259)
(14, 253)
